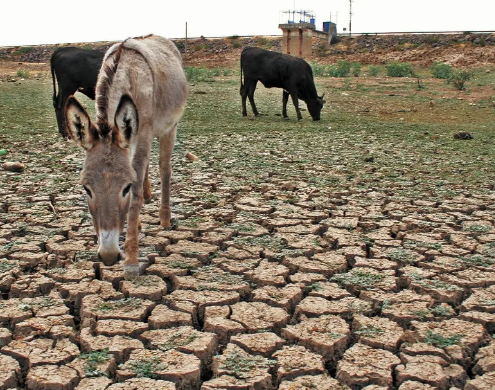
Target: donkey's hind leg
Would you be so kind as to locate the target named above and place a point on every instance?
(166, 148)
(147, 186)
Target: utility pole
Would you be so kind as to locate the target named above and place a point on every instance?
(350, 17)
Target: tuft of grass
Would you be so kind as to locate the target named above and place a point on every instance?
(93, 358)
(5, 266)
(177, 340)
(402, 255)
(441, 311)
(441, 341)
(240, 365)
(23, 73)
(315, 286)
(358, 278)
(119, 304)
(370, 331)
(25, 307)
(146, 368)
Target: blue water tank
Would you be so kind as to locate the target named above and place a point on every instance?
(312, 20)
(326, 27)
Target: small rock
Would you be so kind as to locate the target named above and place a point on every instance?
(15, 166)
(191, 157)
(463, 135)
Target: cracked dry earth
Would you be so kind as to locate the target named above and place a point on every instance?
(344, 291)
(273, 276)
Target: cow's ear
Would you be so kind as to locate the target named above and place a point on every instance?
(78, 124)
(126, 121)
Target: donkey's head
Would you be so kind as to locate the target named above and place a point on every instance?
(107, 176)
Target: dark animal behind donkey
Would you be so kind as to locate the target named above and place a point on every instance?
(276, 70)
(75, 70)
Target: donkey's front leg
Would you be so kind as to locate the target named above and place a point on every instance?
(131, 246)
(166, 148)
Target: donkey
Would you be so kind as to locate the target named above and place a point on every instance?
(140, 94)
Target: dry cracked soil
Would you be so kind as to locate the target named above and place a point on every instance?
(268, 279)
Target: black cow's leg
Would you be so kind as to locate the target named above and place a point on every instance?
(65, 90)
(285, 99)
(243, 97)
(295, 100)
(252, 88)
(60, 113)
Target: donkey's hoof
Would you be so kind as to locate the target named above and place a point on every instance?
(131, 271)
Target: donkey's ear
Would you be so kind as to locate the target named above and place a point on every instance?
(126, 121)
(78, 124)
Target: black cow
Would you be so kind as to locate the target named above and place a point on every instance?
(277, 70)
(76, 70)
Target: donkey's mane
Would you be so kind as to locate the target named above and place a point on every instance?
(106, 77)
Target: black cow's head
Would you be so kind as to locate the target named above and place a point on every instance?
(315, 106)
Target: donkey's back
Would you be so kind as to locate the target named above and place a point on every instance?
(150, 71)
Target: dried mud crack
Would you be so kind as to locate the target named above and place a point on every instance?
(294, 261)
(303, 301)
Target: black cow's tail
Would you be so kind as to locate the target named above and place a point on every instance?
(241, 90)
(53, 80)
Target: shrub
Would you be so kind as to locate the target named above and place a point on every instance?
(459, 78)
(23, 73)
(22, 50)
(342, 69)
(356, 69)
(318, 70)
(374, 70)
(399, 69)
(440, 70)
(236, 44)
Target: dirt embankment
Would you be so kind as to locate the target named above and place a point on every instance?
(463, 50)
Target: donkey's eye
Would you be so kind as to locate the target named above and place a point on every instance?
(88, 191)
(126, 190)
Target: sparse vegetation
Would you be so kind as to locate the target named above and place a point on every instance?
(399, 69)
(240, 365)
(402, 255)
(119, 304)
(177, 340)
(146, 367)
(441, 70)
(370, 331)
(23, 73)
(459, 79)
(92, 360)
(441, 341)
(357, 277)
(374, 70)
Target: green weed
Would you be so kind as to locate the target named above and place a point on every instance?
(146, 367)
(399, 69)
(358, 277)
(438, 340)
(92, 360)
(441, 70)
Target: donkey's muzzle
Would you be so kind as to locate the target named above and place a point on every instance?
(108, 250)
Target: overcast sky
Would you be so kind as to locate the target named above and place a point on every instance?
(31, 22)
